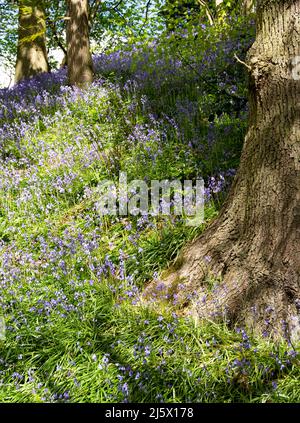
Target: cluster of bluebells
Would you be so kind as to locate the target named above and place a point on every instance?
(21, 106)
(58, 257)
(158, 62)
(196, 98)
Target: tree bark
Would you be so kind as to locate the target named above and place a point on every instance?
(79, 59)
(253, 248)
(32, 52)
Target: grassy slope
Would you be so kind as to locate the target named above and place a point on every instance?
(70, 280)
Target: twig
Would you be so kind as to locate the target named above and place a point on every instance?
(52, 26)
(146, 15)
(93, 11)
(243, 63)
(147, 10)
(115, 6)
(208, 14)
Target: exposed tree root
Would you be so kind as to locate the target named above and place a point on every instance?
(246, 266)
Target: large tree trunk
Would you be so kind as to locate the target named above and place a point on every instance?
(79, 59)
(32, 52)
(253, 247)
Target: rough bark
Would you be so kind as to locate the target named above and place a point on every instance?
(253, 248)
(79, 59)
(32, 52)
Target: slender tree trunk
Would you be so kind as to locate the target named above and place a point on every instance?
(32, 52)
(253, 247)
(79, 59)
(247, 6)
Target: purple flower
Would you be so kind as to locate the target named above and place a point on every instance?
(125, 389)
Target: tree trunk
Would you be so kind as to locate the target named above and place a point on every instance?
(247, 6)
(80, 65)
(32, 52)
(253, 247)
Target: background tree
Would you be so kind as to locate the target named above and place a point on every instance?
(31, 52)
(247, 6)
(110, 20)
(253, 247)
(80, 64)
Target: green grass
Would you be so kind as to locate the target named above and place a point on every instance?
(158, 356)
(71, 280)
